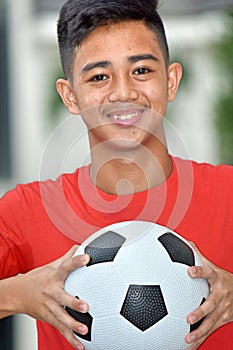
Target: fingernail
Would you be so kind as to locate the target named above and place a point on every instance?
(193, 319)
(84, 258)
(82, 330)
(189, 339)
(192, 271)
(82, 307)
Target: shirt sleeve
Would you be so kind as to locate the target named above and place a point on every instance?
(14, 251)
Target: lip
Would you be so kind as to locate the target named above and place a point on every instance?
(125, 117)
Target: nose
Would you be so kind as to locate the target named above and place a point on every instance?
(123, 90)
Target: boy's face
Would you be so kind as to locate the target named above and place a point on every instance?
(119, 72)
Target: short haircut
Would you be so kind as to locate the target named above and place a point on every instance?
(78, 18)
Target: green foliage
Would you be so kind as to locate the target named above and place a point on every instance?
(224, 105)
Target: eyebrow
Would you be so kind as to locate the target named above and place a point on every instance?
(142, 57)
(105, 64)
(93, 65)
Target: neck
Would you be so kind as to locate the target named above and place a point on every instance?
(132, 172)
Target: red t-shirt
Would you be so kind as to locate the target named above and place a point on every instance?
(39, 222)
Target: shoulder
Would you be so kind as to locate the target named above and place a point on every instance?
(217, 177)
(33, 191)
(205, 182)
(221, 174)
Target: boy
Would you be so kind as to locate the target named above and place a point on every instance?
(118, 78)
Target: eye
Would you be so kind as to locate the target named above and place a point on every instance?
(99, 77)
(141, 71)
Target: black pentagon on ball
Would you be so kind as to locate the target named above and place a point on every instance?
(104, 248)
(144, 306)
(84, 318)
(177, 249)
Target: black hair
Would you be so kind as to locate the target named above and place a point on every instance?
(78, 18)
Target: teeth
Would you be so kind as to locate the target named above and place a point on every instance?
(124, 116)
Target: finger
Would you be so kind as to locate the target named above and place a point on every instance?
(70, 252)
(60, 316)
(206, 308)
(64, 299)
(197, 337)
(66, 331)
(206, 327)
(206, 272)
(209, 324)
(73, 263)
(75, 343)
(67, 255)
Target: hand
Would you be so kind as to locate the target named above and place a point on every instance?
(41, 295)
(218, 307)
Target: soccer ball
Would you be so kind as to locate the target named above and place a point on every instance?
(137, 288)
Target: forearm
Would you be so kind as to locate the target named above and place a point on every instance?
(9, 292)
(39, 293)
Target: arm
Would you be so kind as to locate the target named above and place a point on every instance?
(218, 307)
(40, 294)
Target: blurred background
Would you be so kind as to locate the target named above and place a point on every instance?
(200, 36)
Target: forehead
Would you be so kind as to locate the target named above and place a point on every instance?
(119, 39)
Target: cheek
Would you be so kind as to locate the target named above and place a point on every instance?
(158, 97)
(156, 94)
(88, 99)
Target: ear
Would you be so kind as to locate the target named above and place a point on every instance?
(65, 90)
(174, 77)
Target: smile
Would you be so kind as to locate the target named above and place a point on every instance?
(125, 117)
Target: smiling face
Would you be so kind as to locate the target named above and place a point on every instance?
(119, 75)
